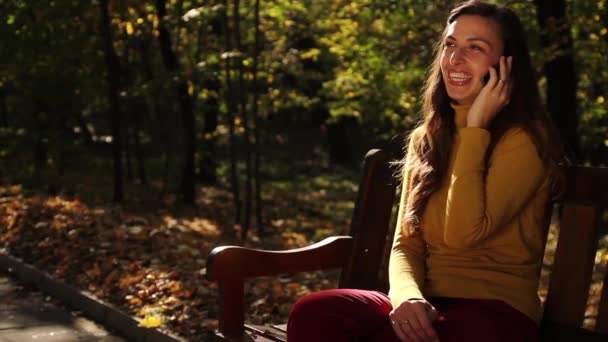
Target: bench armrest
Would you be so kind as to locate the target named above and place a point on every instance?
(229, 262)
(231, 265)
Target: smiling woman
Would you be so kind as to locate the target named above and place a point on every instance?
(468, 54)
(477, 176)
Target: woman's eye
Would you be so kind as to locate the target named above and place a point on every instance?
(448, 44)
(476, 48)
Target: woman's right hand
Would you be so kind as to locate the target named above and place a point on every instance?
(412, 320)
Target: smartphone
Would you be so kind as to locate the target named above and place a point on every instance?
(486, 78)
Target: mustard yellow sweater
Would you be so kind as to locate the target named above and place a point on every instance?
(482, 231)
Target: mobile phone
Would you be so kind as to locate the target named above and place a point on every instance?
(486, 78)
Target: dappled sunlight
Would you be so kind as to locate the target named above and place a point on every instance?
(150, 259)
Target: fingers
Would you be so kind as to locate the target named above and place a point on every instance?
(411, 331)
(422, 323)
(504, 85)
(412, 321)
(504, 70)
(509, 68)
(493, 78)
(399, 330)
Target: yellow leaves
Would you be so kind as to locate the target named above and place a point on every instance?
(603, 31)
(351, 95)
(274, 12)
(293, 239)
(129, 28)
(153, 321)
(153, 317)
(379, 25)
(190, 88)
(600, 99)
(311, 54)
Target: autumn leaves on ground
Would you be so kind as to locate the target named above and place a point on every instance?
(149, 257)
(150, 261)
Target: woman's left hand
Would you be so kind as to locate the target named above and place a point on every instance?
(493, 97)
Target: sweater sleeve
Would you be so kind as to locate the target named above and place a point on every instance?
(477, 207)
(406, 263)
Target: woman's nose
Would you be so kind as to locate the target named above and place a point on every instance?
(456, 56)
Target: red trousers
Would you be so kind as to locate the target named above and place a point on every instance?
(358, 315)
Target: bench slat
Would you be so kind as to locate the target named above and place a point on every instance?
(370, 223)
(573, 265)
(586, 185)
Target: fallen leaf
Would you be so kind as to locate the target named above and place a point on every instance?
(151, 322)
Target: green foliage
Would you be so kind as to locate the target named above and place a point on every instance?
(590, 33)
(320, 60)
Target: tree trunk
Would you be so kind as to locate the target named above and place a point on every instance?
(63, 139)
(185, 103)
(128, 151)
(343, 136)
(40, 149)
(141, 169)
(113, 80)
(255, 126)
(246, 219)
(3, 109)
(234, 180)
(208, 156)
(560, 70)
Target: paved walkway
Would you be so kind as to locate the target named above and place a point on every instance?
(28, 315)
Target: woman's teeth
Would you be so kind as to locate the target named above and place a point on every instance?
(459, 76)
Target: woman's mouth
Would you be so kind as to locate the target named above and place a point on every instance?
(459, 78)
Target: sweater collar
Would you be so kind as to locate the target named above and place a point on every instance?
(460, 114)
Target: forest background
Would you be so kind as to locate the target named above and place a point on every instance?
(136, 135)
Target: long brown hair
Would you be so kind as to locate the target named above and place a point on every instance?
(433, 138)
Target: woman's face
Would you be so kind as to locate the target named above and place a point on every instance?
(472, 44)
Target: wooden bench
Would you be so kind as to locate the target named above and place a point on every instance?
(361, 256)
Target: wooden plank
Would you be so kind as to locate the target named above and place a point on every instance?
(230, 265)
(232, 307)
(262, 333)
(573, 265)
(281, 327)
(370, 223)
(230, 262)
(586, 185)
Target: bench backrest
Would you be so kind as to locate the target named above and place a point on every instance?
(582, 222)
(582, 214)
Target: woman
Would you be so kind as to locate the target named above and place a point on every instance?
(477, 176)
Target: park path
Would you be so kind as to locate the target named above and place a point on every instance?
(27, 315)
